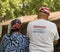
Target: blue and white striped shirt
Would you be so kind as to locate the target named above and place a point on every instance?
(15, 43)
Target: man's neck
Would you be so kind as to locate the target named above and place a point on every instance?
(43, 18)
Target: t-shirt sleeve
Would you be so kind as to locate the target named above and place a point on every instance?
(4, 40)
(28, 29)
(3, 43)
(56, 36)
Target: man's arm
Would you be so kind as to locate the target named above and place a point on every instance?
(55, 42)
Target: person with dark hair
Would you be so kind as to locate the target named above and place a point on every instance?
(43, 34)
(15, 41)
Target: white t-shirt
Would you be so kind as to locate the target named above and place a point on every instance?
(42, 33)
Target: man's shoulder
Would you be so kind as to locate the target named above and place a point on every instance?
(30, 23)
(6, 36)
(22, 36)
(52, 23)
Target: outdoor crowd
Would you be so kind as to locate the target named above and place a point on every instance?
(41, 35)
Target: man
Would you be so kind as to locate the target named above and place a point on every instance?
(42, 33)
(15, 41)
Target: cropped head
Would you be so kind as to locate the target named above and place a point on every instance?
(43, 11)
(16, 25)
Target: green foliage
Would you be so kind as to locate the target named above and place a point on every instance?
(33, 5)
(15, 8)
(9, 8)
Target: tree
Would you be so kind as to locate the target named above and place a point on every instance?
(9, 8)
(15, 8)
